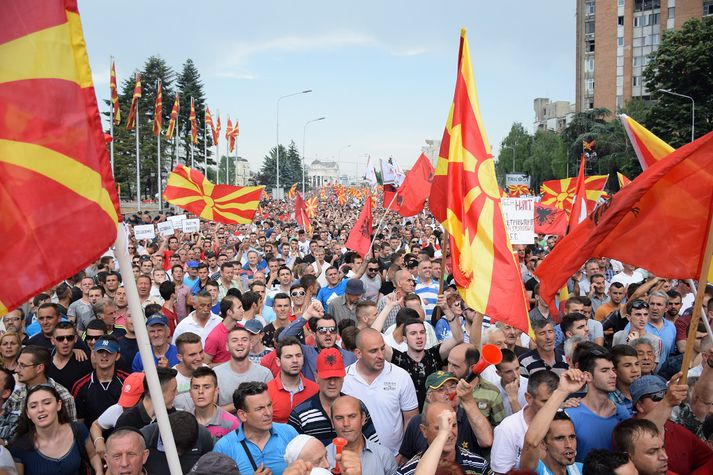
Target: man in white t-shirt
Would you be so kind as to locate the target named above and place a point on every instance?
(201, 321)
(628, 276)
(509, 435)
(386, 389)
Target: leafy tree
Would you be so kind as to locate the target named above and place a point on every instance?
(683, 63)
(548, 158)
(514, 151)
(266, 176)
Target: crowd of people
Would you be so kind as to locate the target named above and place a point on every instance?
(283, 352)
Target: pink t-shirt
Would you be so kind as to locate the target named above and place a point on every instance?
(216, 344)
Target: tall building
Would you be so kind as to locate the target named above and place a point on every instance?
(551, 115)
(614, 39)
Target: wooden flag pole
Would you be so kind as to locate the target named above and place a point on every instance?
(438, 311)
(381, 221)
(702, 279)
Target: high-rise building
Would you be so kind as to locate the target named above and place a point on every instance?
(614, 39)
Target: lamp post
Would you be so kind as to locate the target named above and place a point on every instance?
(693, 109)
(277, 132)
(304, 136)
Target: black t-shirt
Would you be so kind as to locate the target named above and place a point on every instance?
(414, 443)
(386, 287)
(420, 370)
(72, 372)
(93, 397)
(128, 347)
(156, 464)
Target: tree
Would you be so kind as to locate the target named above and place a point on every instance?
(190, 86)
(266, 175)
(683, 63)
(514, 151)
(548, 158)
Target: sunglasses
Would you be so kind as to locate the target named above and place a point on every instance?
(92, 337)
(297, 293)
(62, 338)
(372, 269)
(657, 396)
(327, 330)
(637, 304)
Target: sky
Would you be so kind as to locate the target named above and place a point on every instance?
(382, 73)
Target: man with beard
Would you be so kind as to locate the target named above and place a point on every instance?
(65, 368)
(554, 432)
(289, 388)
(190, 355)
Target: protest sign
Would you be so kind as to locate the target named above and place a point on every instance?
(191, 225)
(519, 215)
(144, 231)
(165, 228)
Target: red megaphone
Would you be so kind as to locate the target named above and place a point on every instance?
(491, 354)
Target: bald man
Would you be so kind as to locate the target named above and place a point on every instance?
(404, 284)
(348, 418)
(433, 418)
(386, 389)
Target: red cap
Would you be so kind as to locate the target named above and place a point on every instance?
(132, 390)
(330, 364)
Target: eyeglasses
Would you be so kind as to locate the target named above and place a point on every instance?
(372, 269)
(297, 293)
(327, 330)
(657, 396)
(92, 337)
(62, 338)
(24, 366)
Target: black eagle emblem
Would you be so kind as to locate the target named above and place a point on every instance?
(544, 216)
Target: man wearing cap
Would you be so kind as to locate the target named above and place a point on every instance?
(191, 277)
(653, 399)
(344, 306)
(143, 413)
(131, 393)
(100, 389)
(201, 321)
(214, 463)
(257, 347)
(164, 354)
(289, 388)
(312, 416)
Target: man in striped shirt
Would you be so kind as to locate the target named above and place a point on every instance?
(426, 287)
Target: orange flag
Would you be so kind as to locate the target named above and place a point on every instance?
(216, 134)
(174, 117)
(517, 190)
(359, 239)
(209, 123)
(412, 194)
(229, 135)
(194, 125)
(114, 95)
(465, 198)
(677, 191)
(291, 193)
(54, 166)
(301, 215)
(623, 180)
(158, 111)
(189, 189)
(648, 147)
(131, 120)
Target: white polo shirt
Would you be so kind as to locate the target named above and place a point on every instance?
(509, 437)
(391, 393)
(190, 324)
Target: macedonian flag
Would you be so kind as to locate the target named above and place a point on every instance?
(560, 193)
(189, 189)
(465, 198)
(648, 147)
(311, 206)
(54, 169)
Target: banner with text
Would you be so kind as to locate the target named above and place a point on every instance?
(519, 215)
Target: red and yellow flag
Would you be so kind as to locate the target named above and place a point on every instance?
(292, 192)
(189, 189)
(216, 133)
(311, 206)
(236, 129)
(114, 95)
(623, 180)
(174, 117)
(648, 147)
(209, 123)
(465, 198)
(194, 124)
(158, 111)
(229, 135)
(131, 120)
(518, 190)
(54, 166)
(560, 193)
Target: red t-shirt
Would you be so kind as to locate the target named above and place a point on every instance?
(216, 344)
(269, 361)
(282, 403)
(686, 452)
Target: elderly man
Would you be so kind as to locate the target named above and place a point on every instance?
(404, 284)
(201, 321)
(307, 448)
(126, 452)
(348, 419)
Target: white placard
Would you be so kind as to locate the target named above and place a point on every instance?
(144, 231)
(176, 220)
(519, 215)
(194, 225)
(165, 228)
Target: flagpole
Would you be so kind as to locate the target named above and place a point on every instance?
(205, 143)
(138, 159)
(111, 121)
(698, 303)
(145, 351)
(381, 221)
(192, 163)
(158, 156)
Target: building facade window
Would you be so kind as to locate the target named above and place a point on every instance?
(620, 41)
(671, 12)
(588, 27)
(707, 7)
(636, 81)
(589, 8)
(620, 20)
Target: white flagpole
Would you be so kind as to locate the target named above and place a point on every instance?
(158, 159)
(147, 359)
(205, 143)
(137, 123)
(111, 120)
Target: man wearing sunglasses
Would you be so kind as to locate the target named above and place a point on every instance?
(372, 280)
(66, 369)
(654, 400)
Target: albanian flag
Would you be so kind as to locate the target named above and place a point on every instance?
(189, 189)
(550, 220)
(54, 166)
(465, 198)
(359, 239)
(413, 192)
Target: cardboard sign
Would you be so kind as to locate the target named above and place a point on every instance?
(194, 225)
(519, 215)
(177, 220)
(144, 231)
(165, 228)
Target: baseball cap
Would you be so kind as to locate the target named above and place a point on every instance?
(438, 379)
(253, 326)
(645, 386)
(330, 364)
(132, 390)
(156, 319)
(192, 264)
(104, 344)
(355, 287)
(213, 463)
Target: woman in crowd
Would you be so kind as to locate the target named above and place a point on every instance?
(10, 346)
(48, 441)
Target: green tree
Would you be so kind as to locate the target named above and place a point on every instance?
(548, 158)
(190, 86)
(266, 175)
(683, 63)
(514, 151)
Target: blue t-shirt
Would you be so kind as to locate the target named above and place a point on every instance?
(272, 455)
(137, 365)
(36, 463)
(574, 469)
(593, 431)
(325, 293)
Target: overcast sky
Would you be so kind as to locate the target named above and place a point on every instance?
(382, 72)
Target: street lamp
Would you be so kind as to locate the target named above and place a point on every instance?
(277, 132)
(304, 136)
(693, 109)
